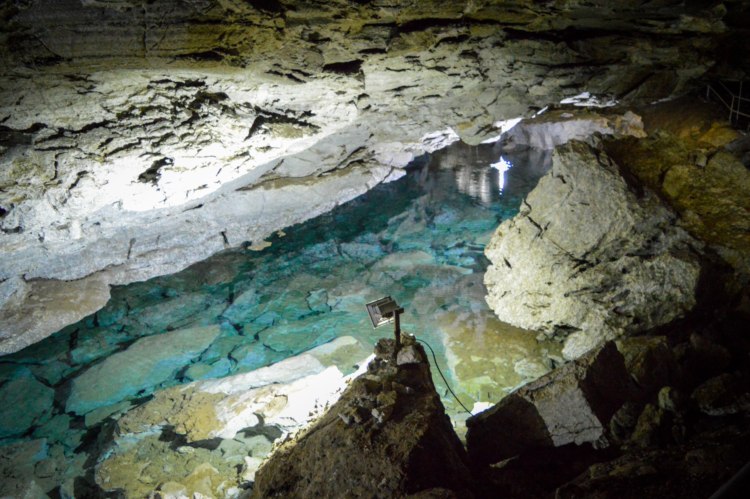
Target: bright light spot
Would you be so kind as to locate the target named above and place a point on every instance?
(502, 166)
(502, 126)
(541, 111)
(585, 99)
(480, 406)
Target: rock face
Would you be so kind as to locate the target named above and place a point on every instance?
(622, 433)
(394, 415)
(138, 138)
(589, 257)
(699, 171)
(571, 405)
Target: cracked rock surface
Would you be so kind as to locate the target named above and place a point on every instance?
(604, 260)
(137, 138)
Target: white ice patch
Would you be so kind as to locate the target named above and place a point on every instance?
(585, 99)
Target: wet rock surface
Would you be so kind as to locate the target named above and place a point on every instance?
(392, 420)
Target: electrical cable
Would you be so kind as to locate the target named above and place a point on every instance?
(434, 358)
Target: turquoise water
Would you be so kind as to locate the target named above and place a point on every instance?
(419, 239)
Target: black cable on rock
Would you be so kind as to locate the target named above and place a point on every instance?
(434, 358)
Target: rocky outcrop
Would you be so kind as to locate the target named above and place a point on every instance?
(698, 170)
(590, 257)
(387, 436)
(138, 138)
(570, 405)
(635, 434)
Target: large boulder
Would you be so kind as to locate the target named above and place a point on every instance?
(388, 436)
(571, 405)
(590, 257)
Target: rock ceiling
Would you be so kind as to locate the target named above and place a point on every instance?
(138, 137)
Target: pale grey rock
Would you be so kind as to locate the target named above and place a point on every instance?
(587, 259)
(408, 355)
(556, 128)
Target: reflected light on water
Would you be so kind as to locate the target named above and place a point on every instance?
(502, 166)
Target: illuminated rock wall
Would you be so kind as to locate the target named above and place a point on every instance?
(137, 138)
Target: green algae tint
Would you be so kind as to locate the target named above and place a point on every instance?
(419, 239)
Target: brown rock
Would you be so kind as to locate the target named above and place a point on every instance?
(413, 451)
(650, 362)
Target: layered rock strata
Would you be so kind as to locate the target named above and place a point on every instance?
(591, 257)
(138, 138)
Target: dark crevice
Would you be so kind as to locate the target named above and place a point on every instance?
(452, 40)
(348, 67)
(153, 173)
(79, 176)
(428, 23)
(269, 6)
(286, 75)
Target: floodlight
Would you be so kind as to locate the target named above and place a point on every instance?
(384, 311)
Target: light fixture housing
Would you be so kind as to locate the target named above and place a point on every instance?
(382, 311)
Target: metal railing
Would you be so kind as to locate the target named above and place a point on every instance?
(734, 100)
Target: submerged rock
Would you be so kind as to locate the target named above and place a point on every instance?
(209, 437)
(284, 395)
(152, 466)
(589, 257)
(387, 436)
(25, 402)
(146, 363)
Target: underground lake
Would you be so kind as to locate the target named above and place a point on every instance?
(419, 239)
